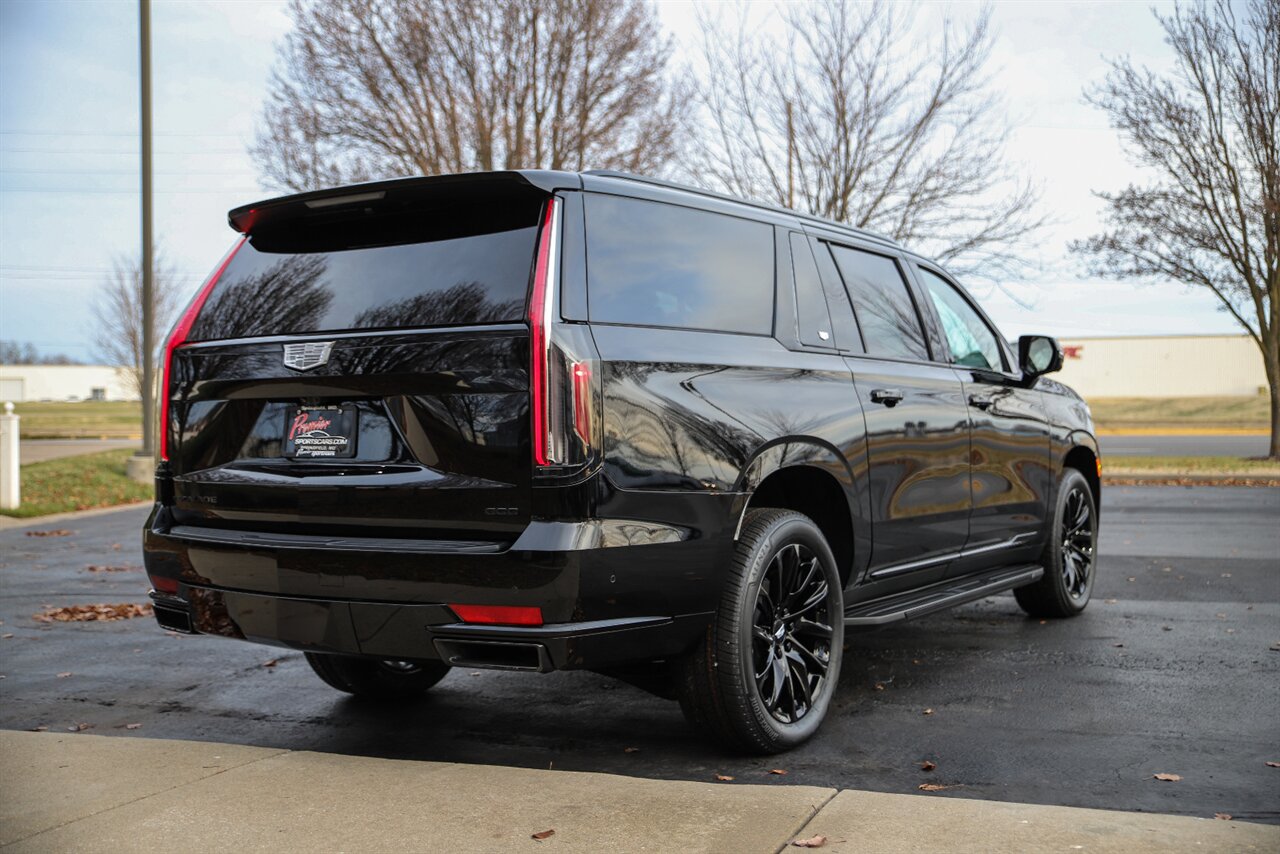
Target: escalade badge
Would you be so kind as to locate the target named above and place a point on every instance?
(304, 357)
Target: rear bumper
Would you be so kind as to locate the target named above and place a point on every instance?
(610, 594)
(423, 632)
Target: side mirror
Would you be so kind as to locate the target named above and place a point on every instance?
(1037, 355)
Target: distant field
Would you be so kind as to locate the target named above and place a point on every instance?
(1121, 465)
(1225, 413)
(83, 420)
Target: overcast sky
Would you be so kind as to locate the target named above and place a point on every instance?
(69, 153)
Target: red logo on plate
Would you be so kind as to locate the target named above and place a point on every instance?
(303, 424)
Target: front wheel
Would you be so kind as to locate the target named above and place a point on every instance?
(369, 677)
(1070, 554)
(762, 679)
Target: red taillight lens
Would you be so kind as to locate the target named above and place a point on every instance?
(498, 615)
(164, 585)
(179, 336)
(582, 400)
(540, 304)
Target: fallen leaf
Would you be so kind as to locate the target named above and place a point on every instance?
(271, 662)
(133, 726)
(93, 567)
(1220, 616)
(1273, 764)
(57, 532)
(916, 661)
(932, 787)
(116, 547)
(781, 772)
(1166, 628)
(79, 727)
(7, 635)
(927, 765)
(1168, 778)
(1044, 622)
(927, 712)
(1222, 816)
(879, 686)
(723, 778)
(811, 842)
(89, 613)
(544, 834)
(1132, 578)
(1108, 601)
(1117, 645)
(630, 750)
(64, 674)
(1226, 575)
(41, 728)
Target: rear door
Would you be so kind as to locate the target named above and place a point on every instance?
(917, 425)
(362, 369)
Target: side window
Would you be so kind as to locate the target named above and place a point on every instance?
(654, 264)
(882, 304)
(811, 303)
(973, 343)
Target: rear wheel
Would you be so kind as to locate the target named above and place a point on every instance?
(1069, 556)
(369, 677)
(763, 677)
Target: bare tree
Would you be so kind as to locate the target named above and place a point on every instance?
(117, 328)
(382, 88)
(26, 353)
(1207, 131)
(855, 117)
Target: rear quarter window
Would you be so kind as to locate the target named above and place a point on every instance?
(654, 264)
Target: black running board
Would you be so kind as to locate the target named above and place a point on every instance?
(938, 597)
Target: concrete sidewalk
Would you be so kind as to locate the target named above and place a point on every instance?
(65, 792)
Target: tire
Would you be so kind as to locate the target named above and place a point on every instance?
(762, 679)
(369, 677)
(1070, 554)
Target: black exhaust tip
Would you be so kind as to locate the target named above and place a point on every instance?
(174, 619)
(495, 655)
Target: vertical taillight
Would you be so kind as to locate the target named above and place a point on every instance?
(541, 301)
(178, 336)
(560, 378)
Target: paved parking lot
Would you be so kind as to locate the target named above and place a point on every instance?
(1174, 669)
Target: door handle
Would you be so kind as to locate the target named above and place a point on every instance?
(979, 401)
(888, 396)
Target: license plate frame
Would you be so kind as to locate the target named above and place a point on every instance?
(321, 432)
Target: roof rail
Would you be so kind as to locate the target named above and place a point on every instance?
(675, 185)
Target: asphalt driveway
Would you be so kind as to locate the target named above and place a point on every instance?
(1175, 668)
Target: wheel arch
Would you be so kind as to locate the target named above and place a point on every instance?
(1083, 456)
(811, 478)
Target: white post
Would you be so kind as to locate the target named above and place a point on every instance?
(10, 471)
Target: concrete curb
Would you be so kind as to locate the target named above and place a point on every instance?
(11, 522)
(61, 792)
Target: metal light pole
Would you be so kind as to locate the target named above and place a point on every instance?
(141, 465)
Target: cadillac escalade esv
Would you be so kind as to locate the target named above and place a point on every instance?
(543, 420)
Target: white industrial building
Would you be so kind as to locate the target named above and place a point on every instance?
(27, 383)
(1163, 366)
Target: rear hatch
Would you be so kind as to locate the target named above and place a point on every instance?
(359, 367)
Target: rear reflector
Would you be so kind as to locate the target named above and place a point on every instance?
(498, 615)
(164, 585)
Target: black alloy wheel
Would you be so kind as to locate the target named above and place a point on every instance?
(762, 678)
(791, 633)
(1070, 553)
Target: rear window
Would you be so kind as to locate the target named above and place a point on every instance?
(404, 269)
(653, 264)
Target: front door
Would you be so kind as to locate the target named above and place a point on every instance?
(1011, 475)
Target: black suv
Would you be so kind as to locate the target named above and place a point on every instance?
(544, 420)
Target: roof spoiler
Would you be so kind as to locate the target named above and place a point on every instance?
(395, 193)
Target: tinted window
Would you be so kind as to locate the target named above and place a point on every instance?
(653, 264)
(811, 305)
(972, 342)
(882, 304)
(470, 269)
